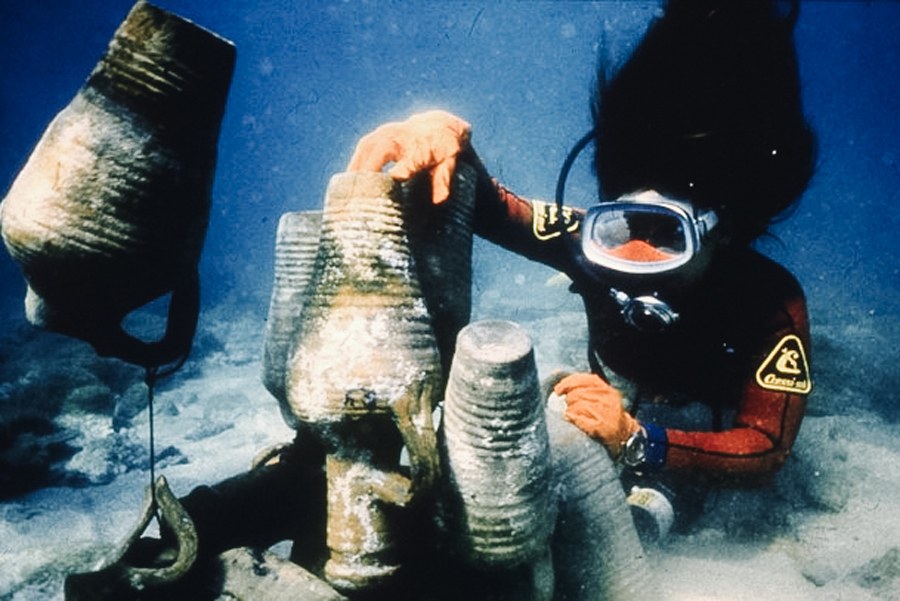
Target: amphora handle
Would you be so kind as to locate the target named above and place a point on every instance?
(175, 345)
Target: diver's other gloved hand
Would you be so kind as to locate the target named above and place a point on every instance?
(428, 141)
(596, 408)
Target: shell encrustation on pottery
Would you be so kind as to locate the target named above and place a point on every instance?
(366, 339)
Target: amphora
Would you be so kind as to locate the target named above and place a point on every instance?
(111, 208)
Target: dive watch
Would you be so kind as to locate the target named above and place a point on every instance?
(634, 452)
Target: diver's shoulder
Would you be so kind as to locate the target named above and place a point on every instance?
(768, 272)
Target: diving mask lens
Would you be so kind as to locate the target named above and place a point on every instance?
(646, 233)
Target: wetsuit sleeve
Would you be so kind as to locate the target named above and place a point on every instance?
(531, 228)
(772, 404)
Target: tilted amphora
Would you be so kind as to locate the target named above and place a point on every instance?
(110, 211)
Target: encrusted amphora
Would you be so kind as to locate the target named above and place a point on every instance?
(363, 363)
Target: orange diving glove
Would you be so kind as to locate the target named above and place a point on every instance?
(426, 141)
(596, 408)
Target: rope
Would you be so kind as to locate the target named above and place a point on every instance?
(151, 376)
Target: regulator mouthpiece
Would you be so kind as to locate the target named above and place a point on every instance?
(647, 313)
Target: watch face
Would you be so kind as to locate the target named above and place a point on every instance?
(635, 449)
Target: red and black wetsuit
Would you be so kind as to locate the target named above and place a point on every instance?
(738, 348)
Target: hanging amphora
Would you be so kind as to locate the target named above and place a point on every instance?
(110, 211)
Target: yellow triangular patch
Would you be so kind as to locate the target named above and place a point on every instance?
(785, 368)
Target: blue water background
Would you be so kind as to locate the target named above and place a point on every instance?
(312, 77)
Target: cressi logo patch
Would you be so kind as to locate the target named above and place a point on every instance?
(785, 368)
(546, 220)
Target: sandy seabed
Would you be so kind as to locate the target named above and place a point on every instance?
(74, 459)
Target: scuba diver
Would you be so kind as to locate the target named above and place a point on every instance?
(700, 144)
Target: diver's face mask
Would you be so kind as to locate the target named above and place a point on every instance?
(644, 233)
(639, 239)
